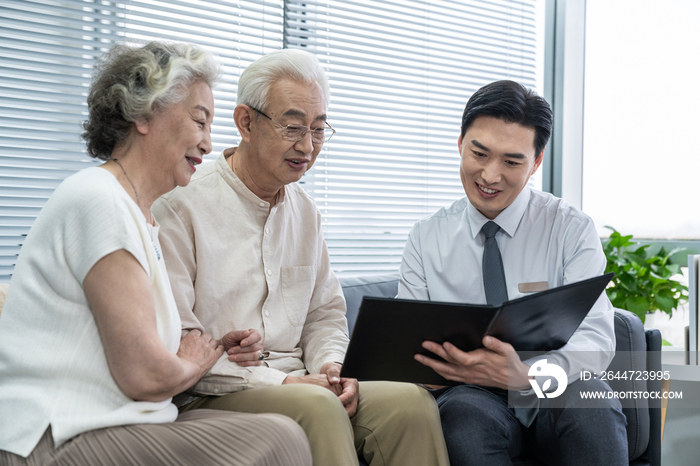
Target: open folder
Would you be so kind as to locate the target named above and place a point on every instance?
(389, 332)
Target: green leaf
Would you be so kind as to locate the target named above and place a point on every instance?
(637, 304)
(642, 250)
(664, 300)
(675, 251)
(659, 278)
(642, 281)
(618, 241)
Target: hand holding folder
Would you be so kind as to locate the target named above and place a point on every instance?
(388, 332)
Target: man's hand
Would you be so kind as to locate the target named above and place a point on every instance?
(315, 379)
(332, 371)
(349, 395)
(243, 346)
(487, 367)
(347, 390)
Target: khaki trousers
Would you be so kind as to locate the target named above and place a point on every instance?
(397, 424)
(198, 438)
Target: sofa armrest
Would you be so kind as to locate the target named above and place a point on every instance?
(653, 454)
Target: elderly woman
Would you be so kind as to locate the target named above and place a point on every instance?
(90, 346)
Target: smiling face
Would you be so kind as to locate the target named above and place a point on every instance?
(181, 134)
(498, 159)
(274, 161)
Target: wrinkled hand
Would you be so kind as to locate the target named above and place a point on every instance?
(200, 349)
(332, 371)
(347, 390)
(315, 379)
(487, 367)
(350, 395)
(243, 346)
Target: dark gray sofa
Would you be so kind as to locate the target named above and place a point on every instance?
(633, 342)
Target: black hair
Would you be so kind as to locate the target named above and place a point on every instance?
(514, 103)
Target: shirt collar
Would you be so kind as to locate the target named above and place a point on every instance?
(232, 179)
(508, 220)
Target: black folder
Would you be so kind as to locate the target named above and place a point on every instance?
(389, 332)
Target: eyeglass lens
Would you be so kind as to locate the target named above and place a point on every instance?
(319, 135)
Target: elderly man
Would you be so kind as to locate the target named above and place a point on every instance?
(244, 250)
(500, 242)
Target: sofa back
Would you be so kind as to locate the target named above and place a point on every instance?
(355, 288)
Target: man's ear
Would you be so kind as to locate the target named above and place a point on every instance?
(459, 144)
(538, 161)
(243, 117)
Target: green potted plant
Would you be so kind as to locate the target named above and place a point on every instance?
(642, 281)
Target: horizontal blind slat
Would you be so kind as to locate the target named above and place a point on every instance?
(46, 56)
(400, 75)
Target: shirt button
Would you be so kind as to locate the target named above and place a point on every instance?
(262, 204)
(267, 313)
(216, 390)
(267, 231)
(269, 272)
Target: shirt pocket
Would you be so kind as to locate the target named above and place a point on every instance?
(297, 285)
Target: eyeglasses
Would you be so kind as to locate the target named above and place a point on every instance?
(296, 133)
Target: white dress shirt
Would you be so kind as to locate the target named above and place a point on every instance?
(236, 264)
(542, 239)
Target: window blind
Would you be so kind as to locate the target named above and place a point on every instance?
(47, 50)
(401, 73)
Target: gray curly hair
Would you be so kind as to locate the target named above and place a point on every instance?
(130, 83)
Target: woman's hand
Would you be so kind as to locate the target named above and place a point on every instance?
(201, 349)
(243, 347)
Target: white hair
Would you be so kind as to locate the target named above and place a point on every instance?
(298, 65)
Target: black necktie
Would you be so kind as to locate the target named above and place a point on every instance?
(492, 267)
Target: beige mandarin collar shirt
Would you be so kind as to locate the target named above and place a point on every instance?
(235, 264)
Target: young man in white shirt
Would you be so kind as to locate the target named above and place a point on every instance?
(542, 242)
